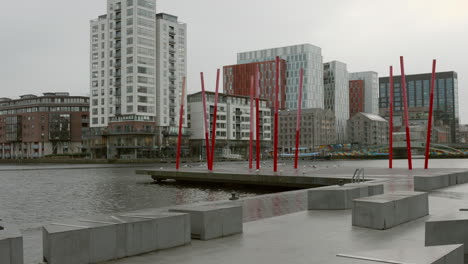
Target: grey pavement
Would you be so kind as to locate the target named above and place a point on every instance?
(308, 237)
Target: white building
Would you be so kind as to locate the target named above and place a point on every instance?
(232, 123)
(368, 129)
(171, 67)
(137, 61)
(336, 88)
(304, 56)
(371, 90)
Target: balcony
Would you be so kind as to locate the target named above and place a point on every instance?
(118, 54)
(172, 96)
(172, 87)
(172, 68)
(172, 32)
(118, 26)
(172, 114)
(118, 34)
(118, 65)
(172, 105)
(172, 60)
(118, 45)
(172, 50)
(118, 17)
(172, 78)
(172, 41)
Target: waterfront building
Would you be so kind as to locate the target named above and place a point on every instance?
(336, 95)
(370, 100)
(232, 124)
(446, 108)
(368, 129)
(37, 126)
(305, 56)
(356, 97)
(317, 128)
(137, 64)
(236, 80)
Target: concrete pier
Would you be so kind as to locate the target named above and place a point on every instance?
(11, 244)
(389, 210)
(448, 229)
(102, 238)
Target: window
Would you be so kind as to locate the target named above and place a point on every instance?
(129, 79)
(147, 80)
(145, 61)
(145, 70)
(130, 50)
(145, 51)
(129, 31)
(130, 12)
(130, 69)
(129, 99)
(129, 89)
(129, 108)
(146, 32)
(145, 13)
(129, 41)
(146, 4)
(146, 23)
(129, 2)
(129, 60)
(146, 42)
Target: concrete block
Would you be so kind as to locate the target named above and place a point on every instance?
(450, 254)
(448, 229)
(388, 210)
(335, 197)
(429, 183)
(462, 177)
(103, 238)
(11, 244)
(213, 221)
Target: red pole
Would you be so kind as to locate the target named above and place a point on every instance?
(252, 82)
(257, 123)
(298, 121)
(181, 120)
(390, 136)
(213, 135)
(208, 162)
(405, 103)
(275, 150)
(431, 108)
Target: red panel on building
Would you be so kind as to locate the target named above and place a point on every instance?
(236, 80)
(356, 97)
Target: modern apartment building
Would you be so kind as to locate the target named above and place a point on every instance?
(368, 129)
(171, 67)
(232, 123)
(138, 60)
(304, 56)
(317, 128)
(236, 80)
(356, 97)
(371, 90)
(336, 90)
(37, 126)
(446, 105)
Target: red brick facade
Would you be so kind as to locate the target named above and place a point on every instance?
(237, 80)
(356, 97)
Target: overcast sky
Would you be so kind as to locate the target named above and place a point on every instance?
(45, 43)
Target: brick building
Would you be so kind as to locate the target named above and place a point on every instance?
(237, 80)
(356, 97)
(36, 126)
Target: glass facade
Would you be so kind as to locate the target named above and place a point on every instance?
(418, 90)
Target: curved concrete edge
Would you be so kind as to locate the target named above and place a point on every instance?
(448, 229)
(389, 210)
(340, 197)
(102, 238)
(213, 221)
(449, 254)
(428, 183)
(11, 244)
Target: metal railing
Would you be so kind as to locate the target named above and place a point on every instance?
(358, 175)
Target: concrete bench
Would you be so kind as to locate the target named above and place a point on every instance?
(340, 197)
(389, 210)
(450, 254)
(213, 221)
(448, 229)
(102, 238)
(11, 244)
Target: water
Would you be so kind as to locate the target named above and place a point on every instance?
(32, 195)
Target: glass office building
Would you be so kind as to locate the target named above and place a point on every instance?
(446, 108)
